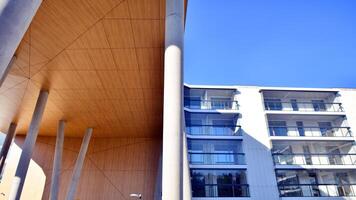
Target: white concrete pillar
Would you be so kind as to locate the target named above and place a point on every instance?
(57, 161)
(15, 18)
(6, 146)
(28, 146)
(173, 102)
(79, 164)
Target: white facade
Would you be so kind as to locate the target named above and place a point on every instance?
(266, 143)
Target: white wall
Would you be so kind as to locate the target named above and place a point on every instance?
(260, 168)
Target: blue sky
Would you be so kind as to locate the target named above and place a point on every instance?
(305, 43)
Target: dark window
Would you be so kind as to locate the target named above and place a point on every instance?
(300, 127)
(278, 128)
(294, 104)
(192, 102)
(325, 128)
(319, 105)
(273, 104)
(219, 183)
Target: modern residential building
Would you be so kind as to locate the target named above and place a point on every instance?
(270, 143)
(92, 94)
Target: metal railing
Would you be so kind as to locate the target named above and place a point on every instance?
(310, 131)
(303, 106)
(211, 104)
(314, 159)
(217, 158)
(220, 190)
(213, 130)
(317, 190)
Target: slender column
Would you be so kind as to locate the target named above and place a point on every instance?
(57, 161)
(79, 164)
(25, 158)
(15, 18)
(6, 146)
(173, 95)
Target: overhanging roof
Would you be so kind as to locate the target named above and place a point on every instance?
(102, 62)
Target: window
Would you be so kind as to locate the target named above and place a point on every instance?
(300, 128)
(220, 103)
(219, 183)
(273, 104)
(325, 128)
(278, 128)
(192, 102)
(319, 105)
(294, 104)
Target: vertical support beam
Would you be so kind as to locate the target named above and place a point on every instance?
(173, 102)
(57, 161)
(6, 146)
(79, 164)
(27, 149)
(15, 18)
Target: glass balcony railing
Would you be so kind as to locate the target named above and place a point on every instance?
(211, 104)
(317, 190)
(213, 130)
(220, 190)
(217, 158)
(310, 131)
(303, 106)
(314, 159)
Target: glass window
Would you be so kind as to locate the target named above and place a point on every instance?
(273, 104)
(220, 103)
(294, 104)
(300, 128)
(192, 102)
(219, 183)
(278, 128)
(319, 105)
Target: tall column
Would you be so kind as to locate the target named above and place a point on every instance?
(25, 158)
(15, 18)
(6, 146)
(79, 164)
(173, 95)
(57, 161)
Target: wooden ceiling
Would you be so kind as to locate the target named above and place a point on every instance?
(102, 62)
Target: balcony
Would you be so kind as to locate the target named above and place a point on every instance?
(219, 183)
(213, 130)
(317, 190)
(221, 190)
(210, 104)
(313, 106)
(298, 131)
(314, 159)
(217, 158)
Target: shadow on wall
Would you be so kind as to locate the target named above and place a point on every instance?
(113, 168)
(35, 180)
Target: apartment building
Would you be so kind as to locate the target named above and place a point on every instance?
(270, 143)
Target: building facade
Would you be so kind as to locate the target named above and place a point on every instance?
(270, 143)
